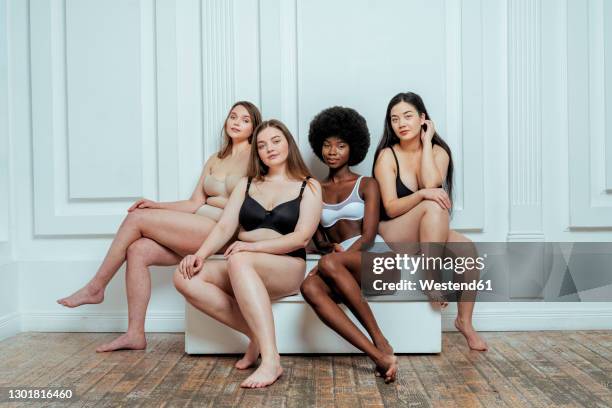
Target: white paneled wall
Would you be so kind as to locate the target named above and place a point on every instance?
(102, 102)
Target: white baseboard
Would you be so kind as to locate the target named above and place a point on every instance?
(556, 316)
(10, 325)
(172, 322)
(75, 321)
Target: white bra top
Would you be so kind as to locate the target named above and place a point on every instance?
(352, 208)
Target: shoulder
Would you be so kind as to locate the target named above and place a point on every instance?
(314, 187)
(385, 157)
(368, 185)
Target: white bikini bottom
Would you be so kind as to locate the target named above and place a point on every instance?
(346, 244)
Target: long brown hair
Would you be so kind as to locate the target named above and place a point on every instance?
(255, 115)
(296, 168)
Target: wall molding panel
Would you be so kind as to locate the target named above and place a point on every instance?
(62, 206)
(217, 25)
(588, 87)
(4, 127)
(525, 120)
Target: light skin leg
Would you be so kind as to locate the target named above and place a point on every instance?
(180, 232)
(257, 278)
(406, 228)
(140, 255)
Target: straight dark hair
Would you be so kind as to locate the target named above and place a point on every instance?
(389, 138)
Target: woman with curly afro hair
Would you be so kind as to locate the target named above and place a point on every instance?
(339, 136)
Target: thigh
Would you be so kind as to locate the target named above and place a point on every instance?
(350, 260)
(183, 233)
(281, 274)
(152, 253)
(405, 228)
(215, 272)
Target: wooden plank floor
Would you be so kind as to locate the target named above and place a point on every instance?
(525, 369)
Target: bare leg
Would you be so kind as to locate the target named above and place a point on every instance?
(465, 308)
(342, 269)
(210, 292)
(140, 255)
(255, 278)
(319, 295)
(181, 232)
(426, 222)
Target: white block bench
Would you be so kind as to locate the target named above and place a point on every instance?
(410, 327)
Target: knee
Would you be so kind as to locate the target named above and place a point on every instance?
(328, 266)
(138, 251)
(310, 289)
(237, 262)
(180, 283)
(434, 211)
(136, 217)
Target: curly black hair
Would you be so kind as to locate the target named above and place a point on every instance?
(344, 123)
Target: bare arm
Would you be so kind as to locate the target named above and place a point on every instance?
(385, 173)
(228, 223)
(371, 196)
(198, 197)
(310, 214)
(434, 160)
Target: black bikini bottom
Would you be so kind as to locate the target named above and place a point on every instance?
(298, 253)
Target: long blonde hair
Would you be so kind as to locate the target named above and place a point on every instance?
(296, 168)
(255, 115)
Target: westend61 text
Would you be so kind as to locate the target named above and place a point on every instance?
(428, 285)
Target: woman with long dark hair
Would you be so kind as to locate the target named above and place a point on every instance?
(339, 136)
(414, 168)
(160, 233)
(277, 209)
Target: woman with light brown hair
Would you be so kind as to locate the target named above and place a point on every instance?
(276, 215)
(155, 233)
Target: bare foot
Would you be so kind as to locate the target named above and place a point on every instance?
(83, 296)
(127, 341)
(387, 367)
(474, 340)
(249, 358)
(437, 299)
(265, 375)
(383, 345)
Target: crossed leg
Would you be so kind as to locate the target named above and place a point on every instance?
(238, 293)
(415, 226)
(336, 278)
(140, 255)
(180, 232)
(426, 222)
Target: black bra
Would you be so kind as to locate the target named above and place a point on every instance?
(282, 218)
(400, 187)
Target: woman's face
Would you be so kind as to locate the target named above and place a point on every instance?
(239, 125)
(406, 121)
(272, 146)
(335, 152)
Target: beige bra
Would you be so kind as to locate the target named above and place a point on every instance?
(214, 187)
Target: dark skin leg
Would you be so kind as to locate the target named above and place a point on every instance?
(318, 292)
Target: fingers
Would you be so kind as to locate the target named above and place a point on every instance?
(136, 204)
(228, 251)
